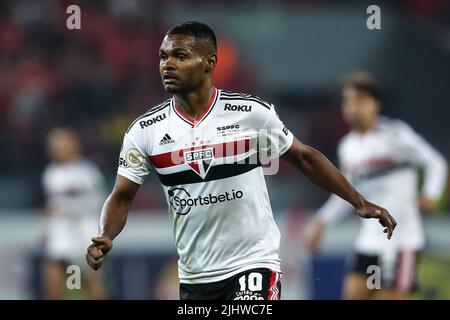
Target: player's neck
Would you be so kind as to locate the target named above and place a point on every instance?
(194, 103)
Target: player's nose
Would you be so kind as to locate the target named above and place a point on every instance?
(169, 64)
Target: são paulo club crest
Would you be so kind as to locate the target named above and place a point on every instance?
(199, 160)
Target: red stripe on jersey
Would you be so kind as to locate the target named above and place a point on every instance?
(167, 159)
(192, 121)
(220, 150)
(374, 164)
(380, 162)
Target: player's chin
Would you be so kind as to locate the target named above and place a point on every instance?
(172, 88)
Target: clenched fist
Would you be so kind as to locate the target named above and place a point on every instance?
(97, 251)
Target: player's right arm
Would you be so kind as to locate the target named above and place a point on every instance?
(115, 209)
(133, 169)
(113, 219)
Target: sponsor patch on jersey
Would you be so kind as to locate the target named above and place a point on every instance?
(149, 122)
(237, 107)
(228, 130)
(229, 127)
(199, 160)
(182, 201)
(133, 158)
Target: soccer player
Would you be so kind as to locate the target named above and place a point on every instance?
(381, 157)
(202, 144)
(73, 187)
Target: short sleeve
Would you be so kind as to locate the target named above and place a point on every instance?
(133, 161)
(274, 138)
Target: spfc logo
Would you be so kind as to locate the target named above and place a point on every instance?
(199, 160)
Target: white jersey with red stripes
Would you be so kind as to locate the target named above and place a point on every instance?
(74, 193)
(211, 174)
(383, 165)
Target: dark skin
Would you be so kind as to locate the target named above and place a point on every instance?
(186, 67)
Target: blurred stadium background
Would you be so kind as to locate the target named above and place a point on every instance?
(292, 53)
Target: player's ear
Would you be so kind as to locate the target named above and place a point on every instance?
(211, 63)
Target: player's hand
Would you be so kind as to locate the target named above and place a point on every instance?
(97, 251)
(313, 235)
(426, 205)
(370, 210)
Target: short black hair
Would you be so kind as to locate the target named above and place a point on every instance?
(196, 29)
(363, 81)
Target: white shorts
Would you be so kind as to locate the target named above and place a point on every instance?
(67, 238)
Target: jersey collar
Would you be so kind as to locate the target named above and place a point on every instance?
(194, 123)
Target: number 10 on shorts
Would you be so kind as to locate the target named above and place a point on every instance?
(252, 283)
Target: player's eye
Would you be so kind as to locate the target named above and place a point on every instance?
(162, 56)
(181, 57)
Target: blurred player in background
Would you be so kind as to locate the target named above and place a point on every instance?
(226, 237)
(381, 157)
(73, 188)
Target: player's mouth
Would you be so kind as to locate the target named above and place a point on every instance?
(169, 78)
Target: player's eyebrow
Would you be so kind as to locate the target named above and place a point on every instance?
(174, 50)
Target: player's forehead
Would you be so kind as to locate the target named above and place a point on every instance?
(59, 135)
(179, 42)
(352, 92)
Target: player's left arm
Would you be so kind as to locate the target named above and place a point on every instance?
(414, 148)
(323, 173)
(276, 141)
